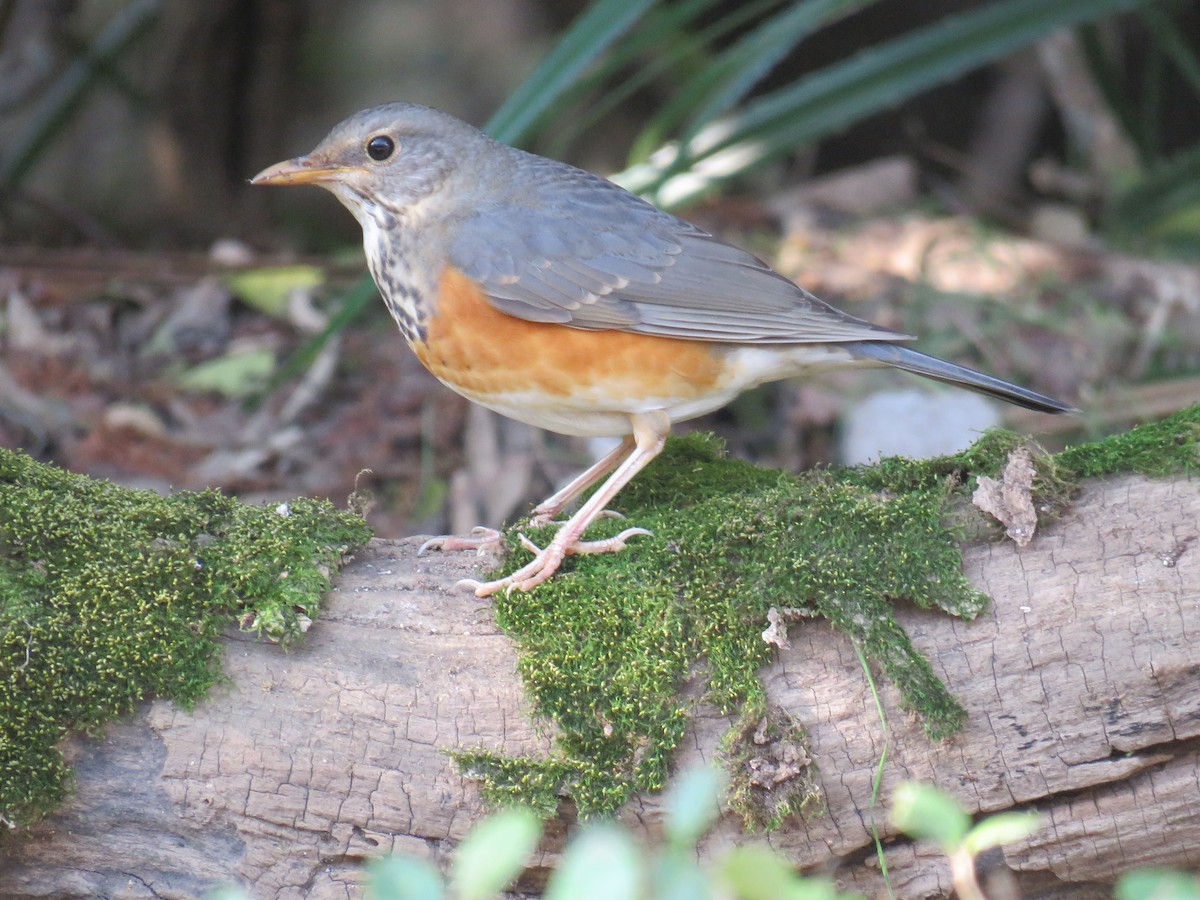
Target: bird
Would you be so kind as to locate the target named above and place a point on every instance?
(557, 298)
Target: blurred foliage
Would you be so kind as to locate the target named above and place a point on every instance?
(66, 93)
(1160, 206)
(927, 813)
(724, 100)
(1158, 884)
(709, 60)
(606, 862)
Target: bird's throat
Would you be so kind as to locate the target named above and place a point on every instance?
(404, 285)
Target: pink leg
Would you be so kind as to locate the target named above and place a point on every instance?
(649, 435)
(544, 512)
(484, 539)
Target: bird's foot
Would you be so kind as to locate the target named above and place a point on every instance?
(482, 540)
(542, 518)
(583, 548)
(546, 561)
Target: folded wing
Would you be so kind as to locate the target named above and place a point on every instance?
(569, 247)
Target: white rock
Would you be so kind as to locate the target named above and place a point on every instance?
(914, 423)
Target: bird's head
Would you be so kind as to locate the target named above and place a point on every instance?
(384, 160)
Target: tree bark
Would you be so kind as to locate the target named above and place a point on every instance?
(1082, 684)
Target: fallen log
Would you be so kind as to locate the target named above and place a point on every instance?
(1080, 682)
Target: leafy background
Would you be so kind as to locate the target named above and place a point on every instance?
(166, 325)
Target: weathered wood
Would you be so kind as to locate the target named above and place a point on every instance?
(1082, 684)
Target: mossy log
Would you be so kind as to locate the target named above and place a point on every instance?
(1081, 682)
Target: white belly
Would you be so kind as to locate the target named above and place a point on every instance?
(596, 414)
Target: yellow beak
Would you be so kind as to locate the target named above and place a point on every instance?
(300, 170)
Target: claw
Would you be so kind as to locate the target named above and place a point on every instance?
(608, 545)
(546, 561)
(484, 540)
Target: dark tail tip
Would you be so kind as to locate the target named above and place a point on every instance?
(907, 360)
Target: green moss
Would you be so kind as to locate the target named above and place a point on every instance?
(606, 645)
(109, 595)
(517, 779)
(1155, 448)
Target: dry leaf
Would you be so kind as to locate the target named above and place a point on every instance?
(1010, 499)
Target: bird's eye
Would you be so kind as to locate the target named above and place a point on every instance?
(380, 147)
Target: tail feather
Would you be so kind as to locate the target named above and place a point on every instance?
(908, 360)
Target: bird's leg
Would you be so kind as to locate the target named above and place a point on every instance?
(484, 539)
(650, 431)
(544, 512)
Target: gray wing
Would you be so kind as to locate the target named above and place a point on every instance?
(567, 246)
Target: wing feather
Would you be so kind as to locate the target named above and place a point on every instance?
(567, 246)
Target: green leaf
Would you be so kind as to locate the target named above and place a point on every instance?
(692, 805)
(677, 877)
(235, 374)
(228, 893)
(1168, 189)
(657, 46)
(926, 812)
(404, 878)
(268, 289)
(594, 32)
(756, 873)
(601, 864)
(494, 853)
(1002, 828)
(758, 52)
(871, 80)
(1167, 35)
(1157, 884)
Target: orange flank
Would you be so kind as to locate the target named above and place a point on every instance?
(484, 353)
